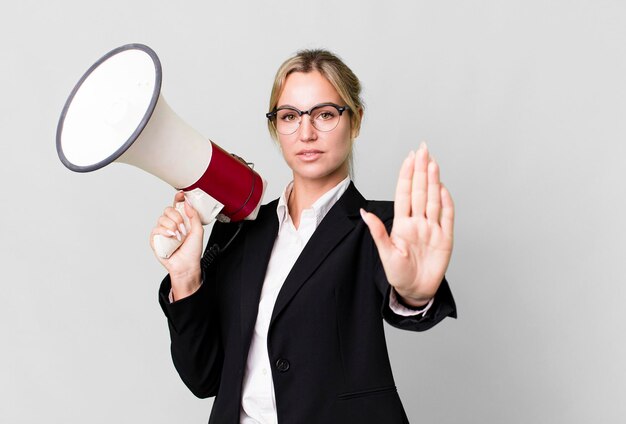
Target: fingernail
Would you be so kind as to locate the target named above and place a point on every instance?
(171, 233)
(182, 229)
(363, 214)
(178, 236)
(423, 145)
(411, 154)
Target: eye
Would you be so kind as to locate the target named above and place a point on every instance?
(288, 116)
(326, 114)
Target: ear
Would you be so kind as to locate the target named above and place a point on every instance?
(355, 132)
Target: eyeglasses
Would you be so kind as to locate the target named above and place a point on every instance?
(324, 117)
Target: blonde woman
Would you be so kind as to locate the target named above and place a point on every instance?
(286, 324)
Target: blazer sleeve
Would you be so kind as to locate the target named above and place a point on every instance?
(194, 329)
(443, 304)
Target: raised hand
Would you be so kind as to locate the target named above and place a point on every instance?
(416, 254)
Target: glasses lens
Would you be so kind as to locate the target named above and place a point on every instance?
(287, 121)
(325, 118)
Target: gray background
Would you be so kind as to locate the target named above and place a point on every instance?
(523, 103)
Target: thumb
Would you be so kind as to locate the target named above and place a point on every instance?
(378, 232)
(192, 214)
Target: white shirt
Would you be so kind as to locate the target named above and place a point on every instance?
(258, 401)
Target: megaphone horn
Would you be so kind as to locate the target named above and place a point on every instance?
(116, 113)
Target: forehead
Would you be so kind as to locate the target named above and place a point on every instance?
(304, 90)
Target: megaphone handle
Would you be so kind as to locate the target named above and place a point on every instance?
(207, 208)
(166, 246)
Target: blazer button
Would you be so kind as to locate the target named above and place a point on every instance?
(282, 365)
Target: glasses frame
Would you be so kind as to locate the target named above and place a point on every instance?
(272, 115)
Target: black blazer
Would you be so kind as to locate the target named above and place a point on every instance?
(326, 340)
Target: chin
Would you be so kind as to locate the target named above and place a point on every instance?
(316, 173)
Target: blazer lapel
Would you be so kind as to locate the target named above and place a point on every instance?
(256, 255)
(337, 223)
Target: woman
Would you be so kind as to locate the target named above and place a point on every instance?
(285, 325)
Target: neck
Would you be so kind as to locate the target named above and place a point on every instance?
(306, 192)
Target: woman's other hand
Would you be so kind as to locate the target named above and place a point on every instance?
(184, 264)
(416, 254)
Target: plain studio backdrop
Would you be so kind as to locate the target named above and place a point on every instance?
(523, 103)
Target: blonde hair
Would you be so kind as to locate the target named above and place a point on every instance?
(335, 71)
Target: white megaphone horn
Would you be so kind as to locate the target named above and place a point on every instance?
(116, 114)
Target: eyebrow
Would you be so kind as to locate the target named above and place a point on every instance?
(316, 104)
(278, 107)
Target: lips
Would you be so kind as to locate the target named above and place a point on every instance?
(309, 152)
(309, 155)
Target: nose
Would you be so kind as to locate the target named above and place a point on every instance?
(307, 131)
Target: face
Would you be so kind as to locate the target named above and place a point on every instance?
(313, 155)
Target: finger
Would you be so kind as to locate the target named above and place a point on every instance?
(402, 204)
(194, 218)
(167, 223)
(163, 231)
(170, 227)
(378, 232)
(179, 197)
(420, 182)
(174, 215)
(433, 203)
(447, 212)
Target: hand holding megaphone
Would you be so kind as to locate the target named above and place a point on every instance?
(116, 114)
(169, 239)
(181, 224)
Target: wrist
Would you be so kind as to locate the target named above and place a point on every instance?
(185, 283)
(412, 301)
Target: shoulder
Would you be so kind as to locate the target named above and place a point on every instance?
(381, 208)
(225, 230)
(352, 200)
(268, 208)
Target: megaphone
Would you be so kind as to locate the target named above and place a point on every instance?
(116, 113)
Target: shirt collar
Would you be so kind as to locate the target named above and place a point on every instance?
(320, 207)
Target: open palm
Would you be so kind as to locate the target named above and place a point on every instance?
(416, 254)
